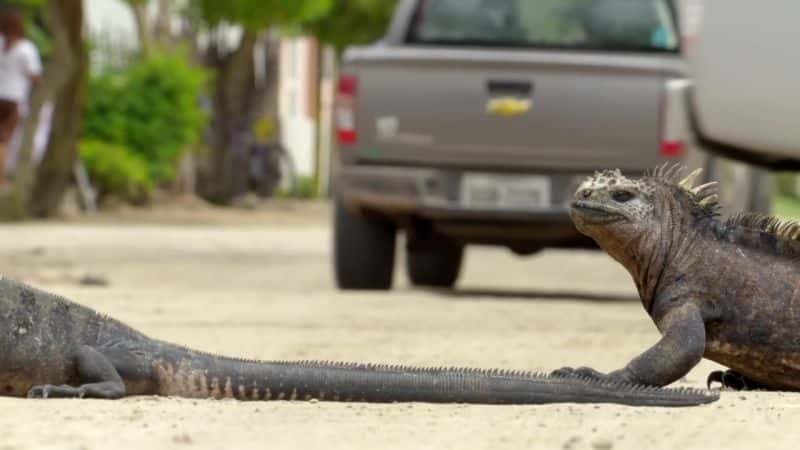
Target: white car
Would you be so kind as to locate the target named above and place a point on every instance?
(744, 61)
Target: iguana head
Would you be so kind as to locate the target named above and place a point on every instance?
(614, 209)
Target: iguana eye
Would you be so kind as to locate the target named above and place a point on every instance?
(622, 196)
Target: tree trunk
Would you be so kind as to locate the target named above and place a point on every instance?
(235, 76)
(162, 28)
(139, 9)
(239, 100)
(268, 92)
(20, 202)
(71, 61)
(15, 204)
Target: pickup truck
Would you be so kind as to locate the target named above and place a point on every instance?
(473, 121)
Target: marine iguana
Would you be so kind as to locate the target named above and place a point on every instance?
(51, 347)
(727, 290)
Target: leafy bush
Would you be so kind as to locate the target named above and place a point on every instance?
(304, 188)
(116, 170)
(151, 109)
(788, 184)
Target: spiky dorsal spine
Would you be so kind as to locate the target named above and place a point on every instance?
(780, 228)
(704, 198)
(740, 228)
(668, 173)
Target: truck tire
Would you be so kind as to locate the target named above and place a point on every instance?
(363, 250)
(436, 264)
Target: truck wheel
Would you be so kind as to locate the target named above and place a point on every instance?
(435, 265)
(363, 250)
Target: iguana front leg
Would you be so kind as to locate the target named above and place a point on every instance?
(681, 347)
(99, 377)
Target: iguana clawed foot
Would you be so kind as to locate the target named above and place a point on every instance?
(91, 366)
(733, 380)
(588, 372)
(53, 391)
(105, 389)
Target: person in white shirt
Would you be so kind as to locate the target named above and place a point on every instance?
(20, 68)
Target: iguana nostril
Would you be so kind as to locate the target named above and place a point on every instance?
(586, 193)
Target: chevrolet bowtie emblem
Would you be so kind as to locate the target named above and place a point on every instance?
(508, 106)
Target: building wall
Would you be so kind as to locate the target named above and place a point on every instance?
(111, 16)
(111, 25)
(298, 101)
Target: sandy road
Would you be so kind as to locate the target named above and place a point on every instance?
(262, 289)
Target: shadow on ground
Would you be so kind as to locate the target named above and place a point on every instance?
(535, 294)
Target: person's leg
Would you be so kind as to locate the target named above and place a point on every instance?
(9, 117)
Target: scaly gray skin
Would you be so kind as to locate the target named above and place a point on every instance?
(724, 290)
(51, 347)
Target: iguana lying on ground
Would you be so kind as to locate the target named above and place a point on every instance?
(727, 290)
(51, 347)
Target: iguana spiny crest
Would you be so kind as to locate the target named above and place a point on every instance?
(634, 198)
(618, 204)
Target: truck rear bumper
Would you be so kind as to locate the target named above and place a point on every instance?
(433, 196)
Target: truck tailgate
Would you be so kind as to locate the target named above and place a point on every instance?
(549, 110)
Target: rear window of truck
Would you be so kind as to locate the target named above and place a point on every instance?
(602, 25)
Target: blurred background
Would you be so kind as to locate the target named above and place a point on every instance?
(221, 100)
(214, 99)
(446, 122)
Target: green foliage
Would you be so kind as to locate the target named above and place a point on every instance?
(305, 188)
(786, 206)
(151, 108)
(264, 129)
(787, 184)
(336, 22)
(40, 37)
(350, 22)
(26, 4)
(259, 14)
(116, 170)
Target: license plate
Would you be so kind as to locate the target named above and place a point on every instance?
(506, 192)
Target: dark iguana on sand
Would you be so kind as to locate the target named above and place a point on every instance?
(727, 290)
(51, 347)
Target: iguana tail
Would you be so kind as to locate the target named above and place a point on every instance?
(218, 377)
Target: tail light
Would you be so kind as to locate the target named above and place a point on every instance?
(346, 110)
(672, 149)
(674, 128)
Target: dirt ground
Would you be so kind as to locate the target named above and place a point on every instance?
(258, 284)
